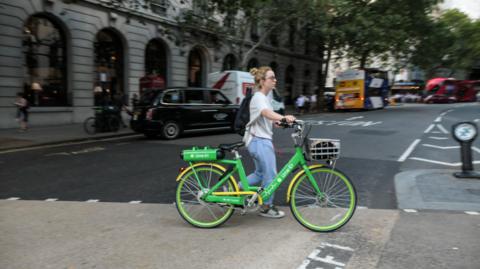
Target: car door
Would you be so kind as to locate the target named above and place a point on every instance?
(219, 112)
(195, 109)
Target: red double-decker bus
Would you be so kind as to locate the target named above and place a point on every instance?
(459, 90)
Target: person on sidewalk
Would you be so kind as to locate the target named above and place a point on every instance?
(22, 111)
(258, 136)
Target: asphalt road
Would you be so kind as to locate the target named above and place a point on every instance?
(137, 169)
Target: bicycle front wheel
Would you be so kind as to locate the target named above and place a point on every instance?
(327, 210)
(89, 125)
(188, 197)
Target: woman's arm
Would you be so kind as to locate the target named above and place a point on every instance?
(272, 115)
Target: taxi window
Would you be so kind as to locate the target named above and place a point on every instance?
(172, 97)
(216, 97)
(194, 97)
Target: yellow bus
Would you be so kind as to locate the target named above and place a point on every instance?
(361, 89)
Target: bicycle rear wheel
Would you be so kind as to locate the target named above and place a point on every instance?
(328, 210)
(189, 204)
(89, 126)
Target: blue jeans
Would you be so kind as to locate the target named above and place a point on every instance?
(263, 154)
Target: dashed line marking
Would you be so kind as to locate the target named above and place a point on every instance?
(473, 213)
(134, 202)
(409, 150)
(440, 147)
(410, 210)
(51, 199)
(92, 201)
(438, 162)
(438, 138)
(354, 118)
(13, 198)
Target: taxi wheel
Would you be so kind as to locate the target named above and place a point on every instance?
(171, 130)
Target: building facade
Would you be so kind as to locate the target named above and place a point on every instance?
(68, 56)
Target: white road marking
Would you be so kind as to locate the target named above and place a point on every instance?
(409, 150)
(439, 119)
(354, 118)
(429, 128)
(439, 126)
(442, 128)
(438, 138)
(88, 150)
(410, 210)
(440, 147)
(51, 199)
(328, 259)
(337, 246)
(13, 198)
(476, 149)
(476, 120)
(362, 207)
(441, 163)
(134, 202)
(474, 213)
(92, 201)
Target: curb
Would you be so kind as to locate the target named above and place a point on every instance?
(72, 140)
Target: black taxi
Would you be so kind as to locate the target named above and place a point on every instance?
(172, 111)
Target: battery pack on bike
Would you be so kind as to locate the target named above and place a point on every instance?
(202, 154)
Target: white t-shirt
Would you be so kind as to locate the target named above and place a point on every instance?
(260, 126)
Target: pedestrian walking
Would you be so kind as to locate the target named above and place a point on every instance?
(258, 135)
(22, 111)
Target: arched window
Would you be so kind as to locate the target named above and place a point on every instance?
(252, 63)
(229, 63)
(45, 61)
(195, 68)
(108, 67)
(156, 59)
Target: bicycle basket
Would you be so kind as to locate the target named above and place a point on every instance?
(202, 154)
(323, 148)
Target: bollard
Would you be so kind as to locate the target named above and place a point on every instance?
(465, 133)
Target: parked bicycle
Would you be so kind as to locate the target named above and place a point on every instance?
(106, 119)
(321, 198)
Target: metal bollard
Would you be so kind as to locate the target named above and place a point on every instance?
(465, 133)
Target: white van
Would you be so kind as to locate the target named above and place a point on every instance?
(234, 85)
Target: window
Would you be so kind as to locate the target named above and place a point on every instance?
(194, 97)
(252, 63)
(45, 62)
(172, 97)
(216, 97)
(195, 72)
(229, 63)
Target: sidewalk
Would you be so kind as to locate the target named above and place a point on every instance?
(47, 135)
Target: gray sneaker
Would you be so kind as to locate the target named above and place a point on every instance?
(271, 212)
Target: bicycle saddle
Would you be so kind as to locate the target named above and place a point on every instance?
(232, 146)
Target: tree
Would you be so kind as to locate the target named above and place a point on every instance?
(451, 41)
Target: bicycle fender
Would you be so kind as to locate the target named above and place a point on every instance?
(297, 176)
(223, 169)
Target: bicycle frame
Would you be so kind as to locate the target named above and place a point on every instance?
(236, 166)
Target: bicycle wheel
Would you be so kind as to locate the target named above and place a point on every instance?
(328, 210)
(196, 211)
(89, 126)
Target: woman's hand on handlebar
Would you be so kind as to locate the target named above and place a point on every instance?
(286, 121)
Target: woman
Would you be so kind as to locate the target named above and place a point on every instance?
(22, 111)
(258, 135)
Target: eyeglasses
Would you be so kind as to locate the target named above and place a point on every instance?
(272, 78)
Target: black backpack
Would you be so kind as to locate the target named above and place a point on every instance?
(243, 114)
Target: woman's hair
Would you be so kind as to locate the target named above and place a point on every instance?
(259, 74)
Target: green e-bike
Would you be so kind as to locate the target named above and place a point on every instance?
(321, 198)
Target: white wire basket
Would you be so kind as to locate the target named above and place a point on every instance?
(323, 148)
